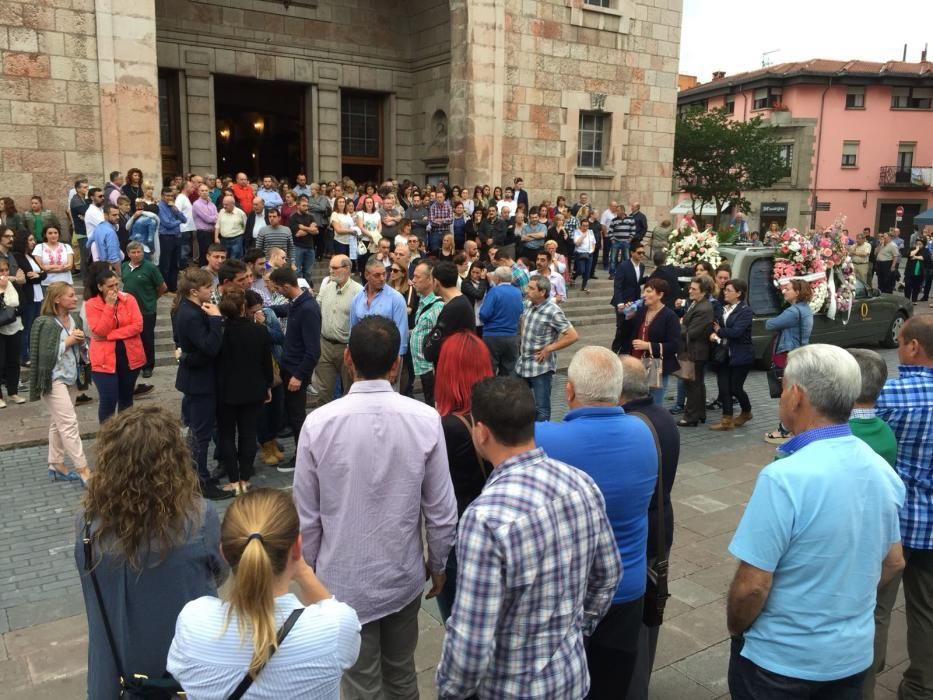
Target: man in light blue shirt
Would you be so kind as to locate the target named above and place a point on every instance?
(269, 195)
(618, 452)
(819, 534)
(105, 245)
(377, 299)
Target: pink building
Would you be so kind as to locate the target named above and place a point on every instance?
(857, 138)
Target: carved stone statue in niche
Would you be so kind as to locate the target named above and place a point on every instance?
(438, 144)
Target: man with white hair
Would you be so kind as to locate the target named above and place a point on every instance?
(500, 313)
(589, 438)
(818, 538)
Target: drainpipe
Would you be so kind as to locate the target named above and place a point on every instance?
(819, 146)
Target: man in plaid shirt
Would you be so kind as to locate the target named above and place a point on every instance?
(545, 330)
(441, 217)
(906, 404)
(538, 564)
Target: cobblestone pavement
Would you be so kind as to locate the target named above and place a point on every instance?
(44, 642)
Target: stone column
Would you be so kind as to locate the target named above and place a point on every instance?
(199, 94)
(327, 139)
(129, 88)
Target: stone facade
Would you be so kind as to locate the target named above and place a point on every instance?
(78, 94)
(475, 91)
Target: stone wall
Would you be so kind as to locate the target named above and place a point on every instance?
(78, 97)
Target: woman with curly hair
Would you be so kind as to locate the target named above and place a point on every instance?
(218, 641)
(154, 545)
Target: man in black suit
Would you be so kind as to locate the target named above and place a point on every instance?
(519, 194)
(626, 290)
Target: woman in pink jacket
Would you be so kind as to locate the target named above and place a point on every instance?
(116, 350)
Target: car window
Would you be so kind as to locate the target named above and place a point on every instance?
(861, 291)
(763, 296)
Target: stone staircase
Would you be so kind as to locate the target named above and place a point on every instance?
(590, 314)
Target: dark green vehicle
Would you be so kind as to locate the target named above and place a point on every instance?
(875, 317)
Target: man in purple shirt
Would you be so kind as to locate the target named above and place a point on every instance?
(361, 501)
(204, 212)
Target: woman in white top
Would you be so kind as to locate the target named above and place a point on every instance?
(216, 642)
(370, 223)
(345, 229)
(54, 257)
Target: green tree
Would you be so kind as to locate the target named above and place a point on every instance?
(716, 159)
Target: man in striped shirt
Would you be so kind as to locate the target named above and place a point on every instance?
(538, 564)
(274, 235)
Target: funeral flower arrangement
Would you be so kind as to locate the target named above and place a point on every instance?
(834, 249)
(796, 257)
(687, 246)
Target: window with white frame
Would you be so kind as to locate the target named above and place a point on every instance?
(599, 3)
(855, 98)
(911, 98)
(850, 154)
(767, 98)
(592, 140)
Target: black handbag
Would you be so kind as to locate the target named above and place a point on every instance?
(7, 313)
(719, 354)
(141, 686)
(656, 593)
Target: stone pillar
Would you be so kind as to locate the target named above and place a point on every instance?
(199, 94)
(128, 120)
(327, 139)
(477, 103)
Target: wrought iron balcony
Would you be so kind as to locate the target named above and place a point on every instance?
(896, 177)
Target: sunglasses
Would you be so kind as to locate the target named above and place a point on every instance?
(395, 269)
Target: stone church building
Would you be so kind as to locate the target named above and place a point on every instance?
(573, 95)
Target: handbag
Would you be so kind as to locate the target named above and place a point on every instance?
(687, 371)
(654, 368)
(719, 353)
(656, 592)
(141, 686)
(276, 374)
(7, 313)
(775, 372)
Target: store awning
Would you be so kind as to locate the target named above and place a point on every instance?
(685, 206)
(924, 218)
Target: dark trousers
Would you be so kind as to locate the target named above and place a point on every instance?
(115, 388)
(200, 413)
(595, 262)
(148, 338)
(295, 411)
(236, 426)
(583, 264)
(168, 261)
(272, 415)
(885, 276)
(913, 285)
(748, 681)
(621, 332)
(695, 395)
(445, 599)
(504, 351)
(612, 651)
(427, 387)
(408, 375)
(203, 239)
(731, 382)
(9, 361)
(29, 312)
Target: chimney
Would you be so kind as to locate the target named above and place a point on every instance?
(719, 74)
(923, 54)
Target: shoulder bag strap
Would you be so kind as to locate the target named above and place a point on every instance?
(286, 627)
(661, 530)
(89, 568)
(479, 460)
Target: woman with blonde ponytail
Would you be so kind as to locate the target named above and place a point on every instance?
(218, 643)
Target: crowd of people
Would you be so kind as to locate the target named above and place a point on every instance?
(548, 562)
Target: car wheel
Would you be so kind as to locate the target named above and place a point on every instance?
(890, 338)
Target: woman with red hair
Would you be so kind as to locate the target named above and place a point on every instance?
(464, 360)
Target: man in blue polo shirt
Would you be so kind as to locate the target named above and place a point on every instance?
(819, 535)
(379, 299)
(618, 452)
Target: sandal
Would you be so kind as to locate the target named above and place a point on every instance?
(777, 437)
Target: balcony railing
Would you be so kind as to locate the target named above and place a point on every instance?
(897, 177)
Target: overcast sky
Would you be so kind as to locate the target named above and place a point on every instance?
(731, 35)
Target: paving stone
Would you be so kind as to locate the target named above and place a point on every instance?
(891, 677)
(674, 645)
(14, 674)
(71, 688)
(711, 524)
(709, 667)
(703, 504)
(57, 661)
(49, 635)
(706, 624)
(669, 683)
(693, 594)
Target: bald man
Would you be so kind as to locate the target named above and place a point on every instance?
(335, 298)
(641, 222)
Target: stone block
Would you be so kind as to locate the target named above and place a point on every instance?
(66, 68)
(23, 39)
(74, 22)
(41, 90)
(14, 88)
(77, 115)
(328, 99)
(43, 161)
(284, 68)
(168, 56)
(198, 87)
(80, 46)
(224, 61)
(88, 140)
(265, 67)
(351, 76)
(14, 675)
(84, 162)
(52, 43)
(25, 136)
(304, 70)
(37, 16)
(38, 113)
(26, 65)
(199, 105)
(83, 93)
(200, 139)
(328, 72)
(197, 58)
(12, 160)
(245, 62)
(17, 185)
(56, 137)
(200, 122)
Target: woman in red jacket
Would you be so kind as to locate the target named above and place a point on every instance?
(116, 351)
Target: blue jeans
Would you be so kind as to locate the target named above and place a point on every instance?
(541, 387)
(582, 263)
(304, 261)
(614, 257)
(748, 681)
(658, 394)
(681, 393)
(434, 242)
(29, 312)
(445, 599)
(116, 388)
(234, 246)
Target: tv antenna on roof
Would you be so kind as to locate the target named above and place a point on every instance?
(765, 61)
